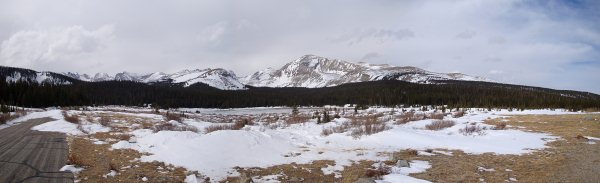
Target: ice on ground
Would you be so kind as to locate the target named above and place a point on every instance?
(112, 173)
(401, 174)
(191, 179)
(71, 168)
(92, 128)
(482, 169)
(59, 126)
(56, 114)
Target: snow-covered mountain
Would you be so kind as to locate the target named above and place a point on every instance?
(313, 71)
(307, 71)
(218, 78)
(11, 74)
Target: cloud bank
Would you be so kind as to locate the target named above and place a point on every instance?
(542, 43)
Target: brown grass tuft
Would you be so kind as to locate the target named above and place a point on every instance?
(70, 118)
(436, 116)
(500, 126)
(459, 114)
(105, 121)
(440, 124)
(171, 127)
(472, 129)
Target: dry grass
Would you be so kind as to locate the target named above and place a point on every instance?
(169, 116)
(569, 160)
(409, 116)
(171, 127)
(105, 121)
(5, 117)
(238, 125)
(440, 124)
(98, 160)
(359, 126)
(71, 118)
(472, 130)
(459, 114)
(295, 119)
(436, 115)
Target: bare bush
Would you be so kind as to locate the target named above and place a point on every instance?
(472, 129)
(436, 116)
(236, 126)
(295, 119)
(459, 114)
(5, 117)
(105, 121)
(411, 152)
(408, 117)
(367, 126)
(171, 127)
(70, 118)
(213, 128)
(344, 127)
(379, 172)
(75, 160)
(326, 131)
(440, 124)
(169, 116)
(500, 126)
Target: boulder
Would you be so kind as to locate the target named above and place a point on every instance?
(402, 163)
(365, 180)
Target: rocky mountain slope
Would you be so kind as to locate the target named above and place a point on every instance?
(307, 71)
(313, 71)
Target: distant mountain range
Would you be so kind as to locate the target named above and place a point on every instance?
(308, 71)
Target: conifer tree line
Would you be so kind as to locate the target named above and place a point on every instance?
(384, 93)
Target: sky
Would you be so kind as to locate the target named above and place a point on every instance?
(545, 43)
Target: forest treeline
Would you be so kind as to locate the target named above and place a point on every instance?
(385, 93)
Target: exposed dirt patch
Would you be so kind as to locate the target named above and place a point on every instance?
(98, 161)
(569, 159)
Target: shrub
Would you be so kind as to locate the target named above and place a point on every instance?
(70, 118)
(500, 126)
(436, 116)
(458, 114)
(75, 160)
(344, 127)
(213, 128)
(367, 126)
(470, 130)
(169, 116)
(105, 121)
(408, 117)
(295, 119)
(171, 127)
(378, 172)
(326, 131)
(5, 117)
(440, 124)
(411, 152)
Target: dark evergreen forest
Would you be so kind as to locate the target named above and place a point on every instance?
(385, 92)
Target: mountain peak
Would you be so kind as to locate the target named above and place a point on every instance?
(316, 71)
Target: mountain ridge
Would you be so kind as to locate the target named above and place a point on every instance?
(308, 71)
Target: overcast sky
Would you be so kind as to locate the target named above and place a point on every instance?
(552, 44)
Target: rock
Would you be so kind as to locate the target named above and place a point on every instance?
(402, 163)
(245, 179)
(295, 179)
(588, 118)
(365, 180)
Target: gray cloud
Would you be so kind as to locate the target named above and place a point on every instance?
(467, 34)
(532, 43)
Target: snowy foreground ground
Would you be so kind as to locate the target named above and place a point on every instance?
(276, 142)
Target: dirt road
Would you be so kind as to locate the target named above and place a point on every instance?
(33, 156)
